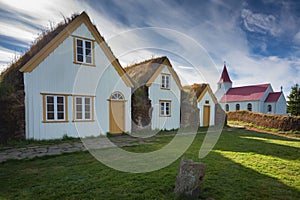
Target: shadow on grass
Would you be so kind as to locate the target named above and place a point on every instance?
(261, 143)
(80, 176)
(226, 179)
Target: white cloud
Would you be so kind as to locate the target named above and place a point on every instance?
(6, 57)
(297, 37)
(260, 23)
(215, 27)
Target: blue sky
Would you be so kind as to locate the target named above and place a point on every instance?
(259, 40)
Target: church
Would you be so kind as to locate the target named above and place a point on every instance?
(256, 98)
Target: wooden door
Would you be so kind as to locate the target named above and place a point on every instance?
(206, 115)
(117, 117)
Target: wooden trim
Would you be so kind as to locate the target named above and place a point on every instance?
(158, 72)
(66, 108)
(207, 89)
(73, 109)
(65, 94)
(154, 76)
(53, 44)
(161, 101)
(55, 121)
(112, 120)
(75, 50)
(92, 107)
(83, 95)
(58, 39)
(83, 120)
(44, 107)
(55, 94)
(202, 94)
(206, 121)
(83, 38)
(84, 64)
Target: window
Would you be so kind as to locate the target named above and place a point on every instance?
(269, 108)
(54, 108)
(117, 96)
(206, 101)
(227, 107)
(249, 106)
(237, 107)
(165, 108)
(84, 51)
(84, 108)
(165, 81)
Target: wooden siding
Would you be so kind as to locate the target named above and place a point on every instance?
(58, 74)
(211, 104)
(156, 94)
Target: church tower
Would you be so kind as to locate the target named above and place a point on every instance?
(224, 84)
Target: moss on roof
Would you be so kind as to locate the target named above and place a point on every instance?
(196, 89)
(12, 110)
(11, 75)
(141, 72)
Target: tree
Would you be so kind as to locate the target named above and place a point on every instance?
(294, 101)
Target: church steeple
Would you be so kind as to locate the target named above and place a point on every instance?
(224, 84)
(225, 76)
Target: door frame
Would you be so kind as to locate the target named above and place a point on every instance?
(206, 115)
(117, 97)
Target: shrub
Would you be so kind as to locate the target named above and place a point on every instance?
(272, 121)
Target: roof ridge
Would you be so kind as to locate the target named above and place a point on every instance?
(266, 84)
(39, 42)
(147, 61)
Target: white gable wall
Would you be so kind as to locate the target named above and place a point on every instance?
(281, 105)
(201, 104)
(263, 98)
(156, 94)
(222, 89)
(278, 107)
(58, 74)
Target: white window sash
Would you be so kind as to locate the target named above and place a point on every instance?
(55, 108)
(84, 48)
(83, 109)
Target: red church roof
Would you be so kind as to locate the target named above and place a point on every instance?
(225, 77)
(273, 97)
(245, 93)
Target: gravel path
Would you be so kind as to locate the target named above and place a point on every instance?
(32, 151)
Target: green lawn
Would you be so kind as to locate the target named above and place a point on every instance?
(243, 165)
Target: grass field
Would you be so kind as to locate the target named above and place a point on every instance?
(243, 165)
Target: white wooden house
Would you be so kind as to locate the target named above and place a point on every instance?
(162, 88)
(256, 98)
(206, 103)
(74, 85)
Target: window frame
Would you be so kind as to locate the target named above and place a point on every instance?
(249, 107)
(165, 103)
(55, 108)
(269, 108)
(165, 82)
(84, 48)
(117, 96)
(227, 107)
(237, 107)
(83, 108)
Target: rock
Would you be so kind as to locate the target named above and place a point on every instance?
(189, 179)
